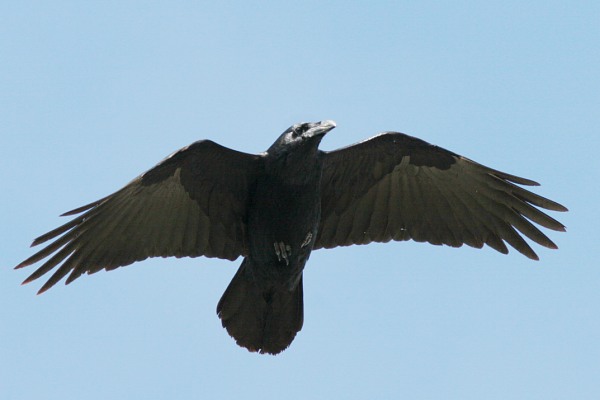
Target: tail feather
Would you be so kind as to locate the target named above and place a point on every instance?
(259, 319)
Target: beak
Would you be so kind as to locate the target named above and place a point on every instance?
(320, 128)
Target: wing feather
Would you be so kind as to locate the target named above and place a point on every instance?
(396, 187)
(191, 204)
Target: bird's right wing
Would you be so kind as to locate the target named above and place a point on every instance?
(397, 187)
(191, 204)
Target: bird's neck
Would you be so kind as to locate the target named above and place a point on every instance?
(295, 169)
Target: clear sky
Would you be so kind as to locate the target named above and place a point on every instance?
(91, 95)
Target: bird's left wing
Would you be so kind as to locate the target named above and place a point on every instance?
(397, 187)
(191, 204)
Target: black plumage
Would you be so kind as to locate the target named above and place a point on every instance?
(274, 208)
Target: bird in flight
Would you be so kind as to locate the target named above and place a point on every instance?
(273, 209)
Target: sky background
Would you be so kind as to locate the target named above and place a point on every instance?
(91, 95)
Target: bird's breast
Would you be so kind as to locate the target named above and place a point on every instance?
(283, 220)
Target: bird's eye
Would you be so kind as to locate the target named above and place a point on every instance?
(299, 130)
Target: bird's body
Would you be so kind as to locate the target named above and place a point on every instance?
(275, 208)
(284, 210)
(283, 218)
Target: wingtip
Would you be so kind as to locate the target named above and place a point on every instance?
(529, 253)
(69, 213)
(23, 264)
(29, 279)
(554, 206)
(44, 288)
(528, 182)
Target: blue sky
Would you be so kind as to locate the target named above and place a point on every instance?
(91, 95)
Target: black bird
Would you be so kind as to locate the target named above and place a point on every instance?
(276, 207)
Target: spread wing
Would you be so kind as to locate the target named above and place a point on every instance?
(397, 187)
(191, 204)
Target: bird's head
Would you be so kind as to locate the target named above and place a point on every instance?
(304, 135)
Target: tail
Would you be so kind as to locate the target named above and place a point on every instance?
(262, 320)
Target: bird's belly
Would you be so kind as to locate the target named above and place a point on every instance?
(282, 228)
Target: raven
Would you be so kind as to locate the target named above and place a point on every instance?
(276, 207)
